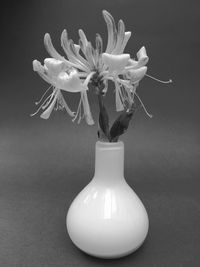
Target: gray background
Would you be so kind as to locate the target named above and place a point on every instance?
(44, 164)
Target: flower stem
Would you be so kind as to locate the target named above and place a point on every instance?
(103, 132)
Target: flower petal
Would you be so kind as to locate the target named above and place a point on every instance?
(69, 83)
(89, 54)
(63, 103)
(99, 43)
(46, 114)
(54, 54)
(132, 63)
(136, 74)
(112, 32)
(86, 108)
(37, 66)
(54, 66)
(126, 38)
(120, 38)
(115, 63)
(83, 39)
(50, 48)
(142, 57)
(72, 52)
(118, 99)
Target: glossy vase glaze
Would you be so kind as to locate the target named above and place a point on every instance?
(107, 219)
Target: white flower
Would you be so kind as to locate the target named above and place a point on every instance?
(86, 64)
(61, 77)
(116, 63)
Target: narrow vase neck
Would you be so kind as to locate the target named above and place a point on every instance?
(109, 162)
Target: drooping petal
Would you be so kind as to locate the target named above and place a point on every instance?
(115, 63)
(46, 114)
(54, 66)
(78, 112)
(135, 75)
(70, 83)
(132, 63)
(86, 108)
(64, 105)
(118, 99)
(112, 32)
(142, 57)
(37, 66)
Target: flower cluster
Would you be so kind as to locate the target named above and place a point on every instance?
(85, 64)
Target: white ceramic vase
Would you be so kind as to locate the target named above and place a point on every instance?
(107, 219)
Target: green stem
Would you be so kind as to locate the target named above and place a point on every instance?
(103, 119)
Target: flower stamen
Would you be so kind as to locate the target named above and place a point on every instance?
(148, 114)
(158, 80)
(38, 102)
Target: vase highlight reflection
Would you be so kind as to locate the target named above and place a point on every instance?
(107, 219)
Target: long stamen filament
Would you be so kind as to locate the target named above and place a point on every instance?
(158, 80)
(78, 111)
(44, 104)
(148, 114)
(38, 102)
(47, 101)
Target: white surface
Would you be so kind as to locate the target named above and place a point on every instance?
(107, 219)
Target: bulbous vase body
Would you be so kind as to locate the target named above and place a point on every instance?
(107, 219)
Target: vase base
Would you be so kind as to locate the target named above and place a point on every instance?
(114, 256)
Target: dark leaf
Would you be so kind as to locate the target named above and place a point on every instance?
(120, 125)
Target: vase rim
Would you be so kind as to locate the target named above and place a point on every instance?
(110, 145)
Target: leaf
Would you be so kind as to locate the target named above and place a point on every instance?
(120, 125)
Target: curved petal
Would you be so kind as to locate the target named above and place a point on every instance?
(53, 53)
(54, 66)
(132, 63)
(83, 39)
(120, 38)
(72, 52)
(37, 66)
(70, 83)
(64, 105)
(115, 63)
(46, 114)
(99, 43)
(142, 60)
(86, 108)
(142, 57)
(50, 48)
(127, 36)
(112, 32)
(118, 98)
(135, 75)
